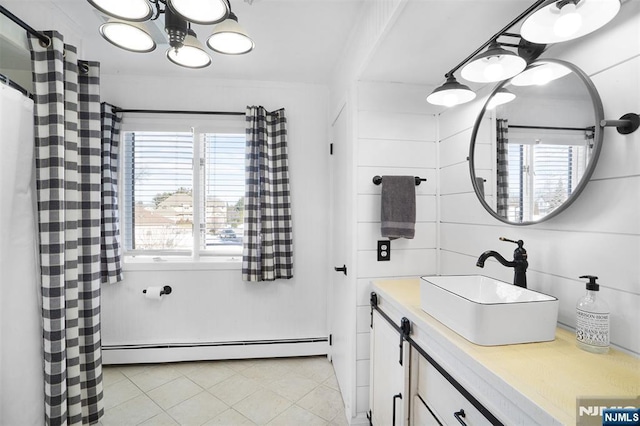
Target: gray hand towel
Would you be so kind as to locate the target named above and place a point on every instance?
(398, 207)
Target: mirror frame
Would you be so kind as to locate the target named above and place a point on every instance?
(597, 140)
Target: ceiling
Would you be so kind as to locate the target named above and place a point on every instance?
(300, 40)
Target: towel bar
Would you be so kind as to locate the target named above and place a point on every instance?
(378, 180)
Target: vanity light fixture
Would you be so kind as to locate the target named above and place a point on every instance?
(501, 97)
(496, 64)
(540, 75)
(126, 28)
(451, 93)
(561, 20)
(545, 21)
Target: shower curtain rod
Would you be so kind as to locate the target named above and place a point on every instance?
(45, 40)
(577, 129)
(164, 111)
(6, 80)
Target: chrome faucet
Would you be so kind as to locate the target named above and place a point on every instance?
(519, 263)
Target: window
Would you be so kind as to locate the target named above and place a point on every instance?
(544, 172)
(183, 187)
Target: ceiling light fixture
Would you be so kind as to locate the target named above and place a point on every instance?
(191, 54)
(206, 12)
(126, 28)
(230, 38)
(131, 36)
(561, 20)
(130, 10)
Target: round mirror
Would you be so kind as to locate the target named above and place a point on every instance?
(536, 142)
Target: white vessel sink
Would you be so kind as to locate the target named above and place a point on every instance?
(487, 311)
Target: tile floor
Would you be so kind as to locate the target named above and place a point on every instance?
(279, 391)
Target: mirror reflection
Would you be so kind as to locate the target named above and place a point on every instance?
(536, 142)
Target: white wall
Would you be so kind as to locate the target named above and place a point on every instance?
(600, 233)
(396, 136)
(209, 304)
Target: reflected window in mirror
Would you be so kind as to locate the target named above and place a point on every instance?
(543, 169)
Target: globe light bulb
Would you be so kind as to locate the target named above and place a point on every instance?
(542, 76)
(495, 70)
(569, 22)
(450, 100)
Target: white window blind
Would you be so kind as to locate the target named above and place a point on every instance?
(224, 177)
(542, 177)
(169, 209)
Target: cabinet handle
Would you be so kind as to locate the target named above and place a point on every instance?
(398, 396)
(459, 415)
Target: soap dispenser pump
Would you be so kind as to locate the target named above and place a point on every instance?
(592, 319)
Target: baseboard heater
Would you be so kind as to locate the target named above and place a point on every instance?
(201, 351)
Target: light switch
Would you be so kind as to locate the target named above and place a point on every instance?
(384, 250)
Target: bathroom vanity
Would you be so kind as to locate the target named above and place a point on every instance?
(422, 371)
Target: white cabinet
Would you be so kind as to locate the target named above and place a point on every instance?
(408, 386)
(389, 383)
(441, 399)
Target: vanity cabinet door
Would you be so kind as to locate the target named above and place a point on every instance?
(389, 379)
(420, 414)
(444, 400)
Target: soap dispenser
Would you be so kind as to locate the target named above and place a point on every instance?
(592, 320)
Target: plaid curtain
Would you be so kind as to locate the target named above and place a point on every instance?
(68, 183)
(502, 131)
(268, 242)
(111, 265)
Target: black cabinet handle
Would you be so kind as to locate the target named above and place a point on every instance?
(342, 269)
(395, 397)
(459, 415)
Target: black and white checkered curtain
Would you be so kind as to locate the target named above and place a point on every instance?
(111, 264)
(68, 182)
(268, 241)
(502, 132)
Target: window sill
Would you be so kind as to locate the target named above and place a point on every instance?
(175, 263)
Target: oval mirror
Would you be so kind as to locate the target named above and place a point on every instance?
(536, 142)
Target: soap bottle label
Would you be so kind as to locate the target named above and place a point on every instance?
(592, 328)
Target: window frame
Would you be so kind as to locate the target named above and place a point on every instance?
(198, 126)
(527, 167)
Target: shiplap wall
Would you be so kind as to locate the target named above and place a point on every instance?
(600, 233)
(396, 136)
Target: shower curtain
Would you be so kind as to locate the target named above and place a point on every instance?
(68, 177)
(21, 374)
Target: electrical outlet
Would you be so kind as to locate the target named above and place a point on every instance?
(384, 250)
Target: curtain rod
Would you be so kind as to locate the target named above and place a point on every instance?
(45, 40)
(578, 129)
(163, 111)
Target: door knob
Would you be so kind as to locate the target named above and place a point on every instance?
(342, 269)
